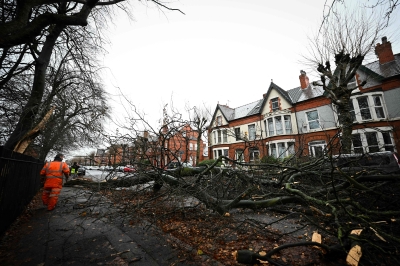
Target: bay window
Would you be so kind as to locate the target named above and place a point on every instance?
(372, 140)
(279, 125)
(220, 136)
(281, 148)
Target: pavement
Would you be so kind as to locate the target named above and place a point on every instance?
(85, 228)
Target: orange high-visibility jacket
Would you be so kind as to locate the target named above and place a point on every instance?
(54, 172)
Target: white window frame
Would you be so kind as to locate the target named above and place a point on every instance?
(308, 121)
(274, 132)
(239, 155)
(314, 144)
(288, 148)
(220, 151)
(252, 153)
(382, 146)
(220, 136)
(275, 104)
(372, 107)
(252, 134)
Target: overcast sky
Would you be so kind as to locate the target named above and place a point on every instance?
(220, 51)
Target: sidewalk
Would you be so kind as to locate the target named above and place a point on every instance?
(85, 229)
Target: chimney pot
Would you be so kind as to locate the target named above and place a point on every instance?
(384, 51)
(304, 81)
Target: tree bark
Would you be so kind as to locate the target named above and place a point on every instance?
(31, 109)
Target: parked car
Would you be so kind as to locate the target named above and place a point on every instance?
(81, 171)
(189, 165)
(129, 168)
(386, 162)
(120, 168)
(173, 165)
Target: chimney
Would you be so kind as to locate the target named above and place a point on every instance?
(384, 51)
(304, 82)
(146, 134)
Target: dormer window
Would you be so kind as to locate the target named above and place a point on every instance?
(274, 104)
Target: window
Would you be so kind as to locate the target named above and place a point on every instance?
(191, 146)
(219, 136)
(288, 124)
(272, 150)
(313, 119)
(279, 125)
(274, 104)
(254, 155)
(387, 140)
(378, 106)
(357, 143)
(220, 152)
(281, 149)
(252, 132)
(237, 133)
(271, 130)
(239, 155)
(225, 136)
(372, 141)
(317, 148)
(215, 137)
(219, 120)
(364, 108)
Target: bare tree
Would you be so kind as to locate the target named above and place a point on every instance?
(40, 25)
(346, 39)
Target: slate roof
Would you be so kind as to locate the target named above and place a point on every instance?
(242, 111)
(386, 70)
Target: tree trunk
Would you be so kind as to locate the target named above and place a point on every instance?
(28, 115)
(346, 124)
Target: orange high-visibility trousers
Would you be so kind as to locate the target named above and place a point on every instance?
(50, 195)
(52, 187)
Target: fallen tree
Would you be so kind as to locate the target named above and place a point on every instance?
(333, 202)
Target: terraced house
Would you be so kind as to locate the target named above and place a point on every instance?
(303, 120)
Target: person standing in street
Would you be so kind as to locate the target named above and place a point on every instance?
(74, 170)
(53, 172)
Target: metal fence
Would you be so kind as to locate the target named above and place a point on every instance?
(19, 183)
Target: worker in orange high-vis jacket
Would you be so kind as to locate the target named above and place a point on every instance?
(53, 171)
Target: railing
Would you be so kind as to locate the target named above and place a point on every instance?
(19, 183)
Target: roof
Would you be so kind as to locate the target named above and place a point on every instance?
(386, 70)
(242, 111)
(375, 69)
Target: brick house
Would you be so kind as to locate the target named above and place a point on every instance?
(303, 121)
